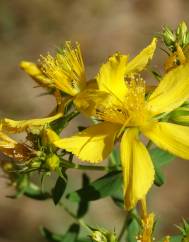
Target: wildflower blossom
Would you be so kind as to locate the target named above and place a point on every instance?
(120, 103)
(66, 69)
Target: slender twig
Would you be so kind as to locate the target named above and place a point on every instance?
(123, 229)
(143, 208)
(67, 164)
(79, 221)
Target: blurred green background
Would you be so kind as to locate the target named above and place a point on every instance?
(31, 28)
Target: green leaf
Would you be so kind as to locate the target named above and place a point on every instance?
(59, 124)
(50, 236)
(160, 158)
(133, 228)
(118, 197)
(176, 238)
(25, 187)
(83, 204)
(114, 159)
(84, 240)
(70, 236)
(102, 187)
(34, 192)
(59, 189)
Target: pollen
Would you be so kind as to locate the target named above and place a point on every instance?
(66, 69)
(135, 99)
(114, 114)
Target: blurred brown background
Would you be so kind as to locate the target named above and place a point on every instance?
(31, 28)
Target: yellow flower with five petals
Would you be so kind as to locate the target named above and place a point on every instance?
(125, 113)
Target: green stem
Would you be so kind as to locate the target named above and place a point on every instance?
(66, 164)
(123, 230)
(79, 221)
(112, 159)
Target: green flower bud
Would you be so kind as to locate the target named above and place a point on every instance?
(180, 116)
(103, 236)
(168, 37)
(98, 236)
(181, 33)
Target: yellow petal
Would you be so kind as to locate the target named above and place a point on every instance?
(170, 137)
(6, 141)
(49, 136)
(100, 105)
(110, 78)
(138, 170)
(34, 71)
(90, 101)
(139, 63)
(172, 91)
(93, 144)
(20, 126)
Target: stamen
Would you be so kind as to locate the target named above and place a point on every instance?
(66, 69)
(135, 99)
(113, 114)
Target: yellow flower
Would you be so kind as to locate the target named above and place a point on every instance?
(120, 103)
(65, 73)
(66, 69)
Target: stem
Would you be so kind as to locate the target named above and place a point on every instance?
(79, 221)
(112, 159)
(67, 164)
(144, 212)
(122, 232)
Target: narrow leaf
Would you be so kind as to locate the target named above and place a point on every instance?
(59, 189)
(160, 158)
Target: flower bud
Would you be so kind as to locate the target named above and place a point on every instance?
(166, 239)
(98, 236)
(168, 36)
(34, 71)
(181, 33)
(103, 236)
(180, 116)
(52, 162)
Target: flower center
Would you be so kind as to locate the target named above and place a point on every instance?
(131, 112)
(135, 100)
